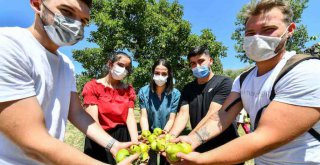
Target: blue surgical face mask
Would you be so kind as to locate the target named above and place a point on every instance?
(201, 71)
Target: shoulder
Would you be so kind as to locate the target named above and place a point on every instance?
(190, 85)
(91, 84)
(221, 80)
(66, 60)
(175, 91)
(144, 89)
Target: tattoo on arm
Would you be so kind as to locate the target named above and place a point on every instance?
(204, 134)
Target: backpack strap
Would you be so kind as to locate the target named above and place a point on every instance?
(242, 78)
(244, 75)
(291, 63)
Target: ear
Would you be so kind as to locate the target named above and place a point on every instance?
(211, 61)
(36, 5)
(291, 29)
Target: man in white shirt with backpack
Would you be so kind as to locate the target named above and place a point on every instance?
(281, 94)
(38, 89)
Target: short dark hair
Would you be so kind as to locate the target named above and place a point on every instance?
(169, 83)
(198, 50)
(116, 56)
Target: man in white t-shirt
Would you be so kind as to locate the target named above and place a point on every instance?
(281, 136)
(38, 89)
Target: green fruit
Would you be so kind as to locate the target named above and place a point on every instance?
(152, 138)
(185, 147)
(172, 150)
(154, 146)
(145, 133)
(157, 131)
(173, 158)
(161, 144)
(144, 156)
(144, 147)
(122, 154)
(134, 149)
(168, 137)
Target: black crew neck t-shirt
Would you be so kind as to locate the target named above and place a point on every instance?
(199, 98)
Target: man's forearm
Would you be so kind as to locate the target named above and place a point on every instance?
(89, 127)
(179, 123)
(213, 126)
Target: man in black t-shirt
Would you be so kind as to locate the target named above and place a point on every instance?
(202, 97)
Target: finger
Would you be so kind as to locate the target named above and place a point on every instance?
(183, 156)
(129, 159)
(175, 140)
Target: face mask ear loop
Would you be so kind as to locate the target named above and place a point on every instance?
(282, 42)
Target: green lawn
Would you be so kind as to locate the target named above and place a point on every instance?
(76, 138)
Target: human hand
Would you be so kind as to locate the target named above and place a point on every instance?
(129, 159)
(120, 145)
(187, 139)
(188, 159)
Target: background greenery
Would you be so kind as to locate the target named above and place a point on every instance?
(152, 29)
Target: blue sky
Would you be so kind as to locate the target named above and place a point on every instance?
(218, 15)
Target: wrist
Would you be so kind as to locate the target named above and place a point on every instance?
(111, 146)
(196, 139)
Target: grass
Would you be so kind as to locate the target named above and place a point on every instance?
(75, 138)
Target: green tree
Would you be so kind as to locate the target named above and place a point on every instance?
(148, 30)
(297, 41)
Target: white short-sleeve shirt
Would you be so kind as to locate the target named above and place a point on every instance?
(27, 69)
(300, 86)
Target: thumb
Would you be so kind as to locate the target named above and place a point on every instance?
(129, 159)
(182, 156)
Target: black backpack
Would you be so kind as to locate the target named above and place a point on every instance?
(291, 63)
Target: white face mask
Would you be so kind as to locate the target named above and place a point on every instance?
(64, 31)
(260, 48)
(160, 80)
(118, 73)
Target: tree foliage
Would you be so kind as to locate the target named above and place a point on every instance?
(148, 30)
(296, 42)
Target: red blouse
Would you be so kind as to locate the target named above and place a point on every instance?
(113, 104)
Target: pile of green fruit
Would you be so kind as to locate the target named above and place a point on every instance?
(156, 143)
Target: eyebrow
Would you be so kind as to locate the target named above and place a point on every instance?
(73, 10)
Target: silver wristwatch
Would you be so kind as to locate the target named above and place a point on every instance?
(110, 144)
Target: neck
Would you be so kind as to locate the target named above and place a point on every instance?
(39, 33)
(159, 90)
(205, 79)
(265, 66)
(108, 80)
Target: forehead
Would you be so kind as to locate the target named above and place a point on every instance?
(200, 56)
(271, 17)
(161, 68)
(80, 8)
(124, 59)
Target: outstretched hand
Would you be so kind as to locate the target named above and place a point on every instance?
(186, 139)
(188, 159)
(120, 145)
(129, 159)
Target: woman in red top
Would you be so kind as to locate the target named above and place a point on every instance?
(110, 102)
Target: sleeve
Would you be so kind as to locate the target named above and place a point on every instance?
(184, 97)
(88, 94)
(301, 85)
(236, 85)
(16, 80)
(142, 100)
(132, 97)
(223, 91)
(73, 78)
(175, 101)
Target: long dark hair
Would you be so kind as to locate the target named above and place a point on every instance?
(169, 83)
